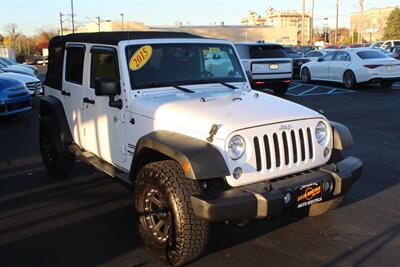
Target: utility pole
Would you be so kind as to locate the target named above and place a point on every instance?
(61, 24)
(312, 24)
(360, 21)
(72, 16)
(122, 21)
(337, 22)
(302, 21)
(98, 22)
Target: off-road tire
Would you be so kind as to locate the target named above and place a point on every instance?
(349, 80)
(305, 75)
(320, 208)
(281, 90)
(55, 155)
(187, 235)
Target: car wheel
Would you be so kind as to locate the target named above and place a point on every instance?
(55, 155)
(281, 91)
(349, 80)
(320, 208)
(305, 75)
(387, 84)
(165, 217)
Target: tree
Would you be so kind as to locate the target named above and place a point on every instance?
(392, 28)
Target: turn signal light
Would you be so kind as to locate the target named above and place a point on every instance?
(372, 66)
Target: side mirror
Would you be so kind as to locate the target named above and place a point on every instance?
(249, 76)
(108, 87)
(320, 59)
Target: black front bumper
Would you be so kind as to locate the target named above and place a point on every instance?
(266, 199)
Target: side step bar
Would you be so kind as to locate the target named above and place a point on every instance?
(99, 163)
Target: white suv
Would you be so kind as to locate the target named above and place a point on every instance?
(270, 65)
(173, 115)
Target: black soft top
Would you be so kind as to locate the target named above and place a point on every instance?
(57, 47)
(113, 38)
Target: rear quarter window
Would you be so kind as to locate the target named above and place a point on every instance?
(267, 51)
(371, 54)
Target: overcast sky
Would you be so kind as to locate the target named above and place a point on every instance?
(30, 15)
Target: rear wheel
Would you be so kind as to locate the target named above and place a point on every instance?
(55, 155)
(305, 75)
(165, 217)
(349, 80)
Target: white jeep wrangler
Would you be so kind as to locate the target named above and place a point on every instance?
(173, 115)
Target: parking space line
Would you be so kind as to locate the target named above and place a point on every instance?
(309, 90)
(297, 85)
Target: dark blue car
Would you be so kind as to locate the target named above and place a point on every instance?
(14, 96)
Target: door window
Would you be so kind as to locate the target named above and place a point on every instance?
(329, 56)
(104, 65)
(74, 64)
(342, 56)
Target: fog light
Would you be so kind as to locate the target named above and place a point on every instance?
(326, 152)
(237, 173)
(287, 199)
(326, 186)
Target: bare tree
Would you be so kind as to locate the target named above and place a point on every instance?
(11, 31)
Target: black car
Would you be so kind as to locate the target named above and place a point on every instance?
(298, 60)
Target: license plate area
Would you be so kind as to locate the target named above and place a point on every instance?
(273, 66)
(308, 194)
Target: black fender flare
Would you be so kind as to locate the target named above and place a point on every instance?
(342, 137)
(204, 159)
(51, 105)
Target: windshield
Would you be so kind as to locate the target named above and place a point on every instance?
(160, 65)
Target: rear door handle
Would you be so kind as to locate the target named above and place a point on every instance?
(63, 92)
(89, 101)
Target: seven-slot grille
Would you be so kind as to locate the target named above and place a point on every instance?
(34, 86)
(283, 148)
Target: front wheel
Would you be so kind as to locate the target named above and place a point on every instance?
(165, 217)
(349, 80)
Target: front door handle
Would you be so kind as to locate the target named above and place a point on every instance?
(63, 92)
(89, 101)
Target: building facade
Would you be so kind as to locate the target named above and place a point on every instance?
(369, 25)
(282, 20)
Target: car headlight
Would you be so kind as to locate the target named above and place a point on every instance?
(236, 147)
(321, 132)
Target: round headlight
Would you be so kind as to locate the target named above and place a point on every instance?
(321, 132)
(236, 147)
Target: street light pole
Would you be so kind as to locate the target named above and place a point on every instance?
(72, 16)
(312, 24)
(337, 22)
(122, 21)
(302, 21)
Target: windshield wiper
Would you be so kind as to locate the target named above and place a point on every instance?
(182, 89)
(228, 85)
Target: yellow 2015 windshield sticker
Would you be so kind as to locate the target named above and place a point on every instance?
(140, 58)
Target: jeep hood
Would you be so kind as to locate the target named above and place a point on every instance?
(230, 110)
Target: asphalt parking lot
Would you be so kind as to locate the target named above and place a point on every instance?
(88, 220)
